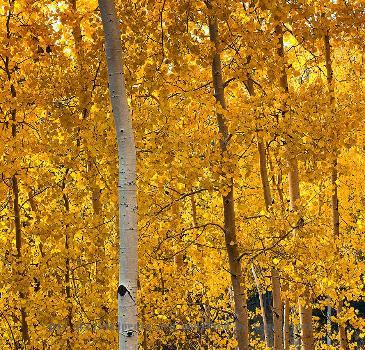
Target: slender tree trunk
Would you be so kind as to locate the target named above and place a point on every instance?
(305, 308)
(336, 231)
(18, 243)
(15, 184)
(179, 257)
(280, 190)
(79, 49)
(84, 106)
(193, 210)
(18, 232)
(286, 326)
(206, 306)
(286, 306)
(297, 340)
(277, 309)
(263, 173)
(334, 201)
(128, 273)
(98, 217)
(344, 345)
(70, 325)
(329, 325)
(237, 278)
(194, 217)
(286, 318)
(34, 207)
(262, 307)
(334, 176)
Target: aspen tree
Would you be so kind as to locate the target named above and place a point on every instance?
(285, 286)
(15, 183)
(305, 308)
(277, 309)
(85, 105)
(334, 177)
(128, 271)
(237, 278)
(286, 325)
(262, 307)
(62, 121)
(179, 257)
(70, 324)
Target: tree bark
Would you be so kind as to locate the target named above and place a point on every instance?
(18, 243)
(286, 327)
(305, 309)
(334, 176)
(277, 309)
(344, 344)
(66, 204)
(15, 184)
(128, 272)
(329, 325)
(85, 105)
(262, 307)
(237, 278)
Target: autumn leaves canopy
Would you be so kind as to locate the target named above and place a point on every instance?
(248, 124)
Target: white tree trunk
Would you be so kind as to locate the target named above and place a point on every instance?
(128, 271)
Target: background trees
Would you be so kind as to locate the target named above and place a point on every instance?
(58, 199)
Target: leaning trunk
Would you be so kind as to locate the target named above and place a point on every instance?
(237, 279)
(127, 290)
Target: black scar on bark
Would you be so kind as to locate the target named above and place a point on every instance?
(122, 290)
